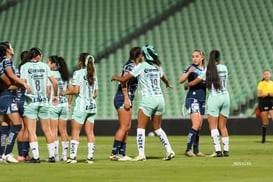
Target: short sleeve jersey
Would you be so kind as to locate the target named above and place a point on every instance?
(36, 74)
(148, 76)
(223, 75)
(20, 96)
(5, 63)
(2, 72)
(84, 100)
(265, 86)
(62, 85)
(132, 83)
(197, 91)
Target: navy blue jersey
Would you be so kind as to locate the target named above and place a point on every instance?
(20, 95)
(199, 90)
(132, 83)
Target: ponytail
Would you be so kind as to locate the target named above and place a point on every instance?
(90, 67)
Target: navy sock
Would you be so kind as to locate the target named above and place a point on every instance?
(14, 130)
(196, 143)
(20, 146)
(191, 138)
(25, 149)
(116, 147)
(122, 150)
(4, 134)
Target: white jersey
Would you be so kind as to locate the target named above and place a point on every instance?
(223, 75)
(36, 74)
(62, 85)
(148, 78)
(84, 100)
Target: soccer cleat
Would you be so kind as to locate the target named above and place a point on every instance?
(90, 161)
(51, 160)
(200, 154)
(189, 153)
(71, 160)
(125, 158)
(10, 159)
(225, 153)
(139, 158)
(169, 156)
(33, 160)
(217, 154)
(114, 157)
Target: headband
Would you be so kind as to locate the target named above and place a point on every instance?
(87, 59)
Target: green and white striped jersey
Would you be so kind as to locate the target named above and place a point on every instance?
(84, 100)
(36, 74)
(149, 77)
(62, 85)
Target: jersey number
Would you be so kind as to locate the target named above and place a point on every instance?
(37, 85)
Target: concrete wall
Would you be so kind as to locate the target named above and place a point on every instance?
(236, 126)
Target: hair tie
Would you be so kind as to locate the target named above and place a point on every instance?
(87, 59)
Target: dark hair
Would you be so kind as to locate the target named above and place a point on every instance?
(34, 52)
(155, 57)
(90, 66)
(54, 60)
(24, 56)
(3, 49)
(135, 52)
(212, 76)
(63, 69)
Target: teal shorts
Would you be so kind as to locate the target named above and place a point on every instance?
(81, 117)
(218, 104)
(58, 112)
(33, 111)
(152, 105)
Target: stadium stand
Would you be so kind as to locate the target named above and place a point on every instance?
(108, 29)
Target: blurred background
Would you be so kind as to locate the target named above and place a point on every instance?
(108, 29)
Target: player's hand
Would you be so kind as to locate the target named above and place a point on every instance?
(55, 100)
(62, 93)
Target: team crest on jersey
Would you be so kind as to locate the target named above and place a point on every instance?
(14, 107)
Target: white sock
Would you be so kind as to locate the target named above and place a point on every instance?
(216, 139)
(56, 148)
(164, 139)
(51, 149)
(141, 141)
(34, 149)
(225, 141)
(64, 148)
(91, 150)
(73, 148)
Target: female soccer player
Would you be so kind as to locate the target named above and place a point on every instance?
(218, 102)
(22, 139)
(195, 101)
(123, 102)
(11, 123)
(265, 95)
(36, 74)
(58, 114)
(85, 88)
(152, 105)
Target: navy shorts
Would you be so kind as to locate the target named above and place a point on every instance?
(8, 104)
(195, 106)
(21, 109)
(119, 100)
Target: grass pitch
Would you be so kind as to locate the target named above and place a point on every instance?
(249, 161)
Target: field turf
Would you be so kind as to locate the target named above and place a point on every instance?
(249, 161)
